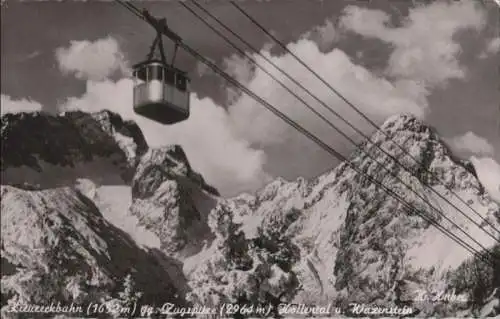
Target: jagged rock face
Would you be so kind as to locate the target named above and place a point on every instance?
(57, 246)
(355, 240)
(381, 233)
(245, 270)
(161, 164)
(50, 151)
(172, 200)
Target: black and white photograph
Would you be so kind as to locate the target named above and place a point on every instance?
(250, 159)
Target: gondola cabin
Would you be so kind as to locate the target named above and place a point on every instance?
(161, 92)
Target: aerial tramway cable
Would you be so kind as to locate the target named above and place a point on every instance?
(364, 116)
(340, 131)
(486, 256)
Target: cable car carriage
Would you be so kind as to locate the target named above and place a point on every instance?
(161, 91)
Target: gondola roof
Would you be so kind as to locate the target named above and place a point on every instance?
(144, 63)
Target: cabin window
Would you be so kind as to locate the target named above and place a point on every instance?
(181, 82)
(141, 74)
(169, 77)
(155, 72)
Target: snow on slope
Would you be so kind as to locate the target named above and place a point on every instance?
(114, 202)
(57, 246)
(103, 171)
(489, 174)
(435, 248)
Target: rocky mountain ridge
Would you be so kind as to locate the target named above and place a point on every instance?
(338, 238)
(357, 243)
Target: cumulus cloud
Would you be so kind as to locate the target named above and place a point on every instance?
(471, 143)
(9, 105)
(242, 70)
(424, 48)
(202, 69)
(239, 67)
(493, 46)
(324, 35)
(213, 149)
(488, 171)
(92, 60)
(424, 57)
(376, 96)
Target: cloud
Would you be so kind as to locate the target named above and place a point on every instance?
(471, 143)
(324, 35)
(225, 160)
(202, 69)
(29, 56)
(424, 48)
(9, 105)
(242, 70)
(424, 57)
(376, 96)
(488, 171)
(239, 67)
(92, 60)
(492, 48)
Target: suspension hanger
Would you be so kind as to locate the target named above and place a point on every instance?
(162, 28)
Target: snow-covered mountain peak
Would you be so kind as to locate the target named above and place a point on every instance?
(48, 150)
(165, 163)
(405, 121)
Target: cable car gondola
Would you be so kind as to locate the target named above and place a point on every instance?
(161, 91)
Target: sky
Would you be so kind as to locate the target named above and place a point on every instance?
(437, 60)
